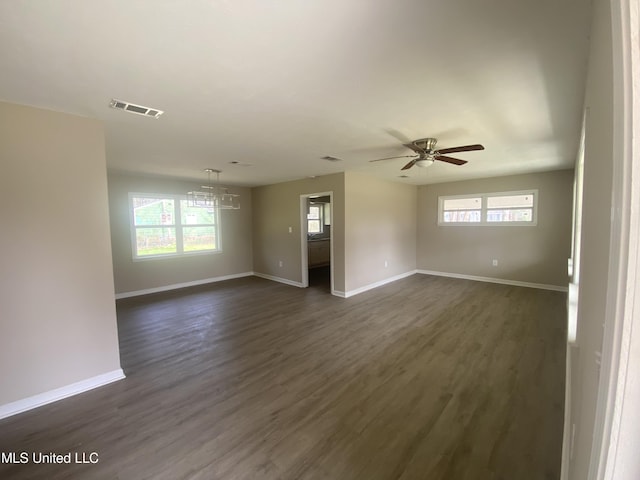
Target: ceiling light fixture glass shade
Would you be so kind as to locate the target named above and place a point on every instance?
(213, 195)
(425, 162)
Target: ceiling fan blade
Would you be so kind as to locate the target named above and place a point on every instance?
(466, 148)
(410, 164)
(391, 158)
(455, 161)
(398, 135)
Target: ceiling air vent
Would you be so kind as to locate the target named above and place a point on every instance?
(137, 109)
(331, 159)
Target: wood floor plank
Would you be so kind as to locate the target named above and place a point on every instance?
(424, 378)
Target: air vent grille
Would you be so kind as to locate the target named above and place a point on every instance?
(137, 109)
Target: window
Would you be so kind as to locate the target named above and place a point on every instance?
(506, 208)
(165, 225)
(314, 218)
(510, 208)
(462, 210)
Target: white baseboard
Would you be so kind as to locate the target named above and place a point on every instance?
(286, 281)
(351, 293)
(51, 396)
(339, 293)
(502, 281)
(176, 286)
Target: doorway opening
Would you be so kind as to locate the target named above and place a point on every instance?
(317, 240)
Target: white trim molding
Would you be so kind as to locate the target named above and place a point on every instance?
(51, 396)
(177, 286)
(614, 454)
(501, 281)
(286, 281)
(371, 286)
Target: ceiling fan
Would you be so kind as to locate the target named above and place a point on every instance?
(426, 153)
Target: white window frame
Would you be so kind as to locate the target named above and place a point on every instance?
(484, 210)
(177, 224)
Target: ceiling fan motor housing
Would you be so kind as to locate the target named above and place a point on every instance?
(427, 145)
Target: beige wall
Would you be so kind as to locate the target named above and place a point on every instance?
(57, 311)
(596, 227)
(380, 219)
(275, 209)
(235, 228)
(534, 254)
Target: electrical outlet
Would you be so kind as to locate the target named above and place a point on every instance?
(290, 231)
(386, 264)
(495, 262)
(280, 263)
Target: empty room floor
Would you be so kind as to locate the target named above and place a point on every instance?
(425, 378)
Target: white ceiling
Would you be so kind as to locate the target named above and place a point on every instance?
(279, 84)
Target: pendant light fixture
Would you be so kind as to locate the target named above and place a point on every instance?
(213, 195)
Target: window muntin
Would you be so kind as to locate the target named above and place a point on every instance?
(165, 225)
(501, 208)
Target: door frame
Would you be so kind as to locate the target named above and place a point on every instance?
(614, 448)
(303, 237)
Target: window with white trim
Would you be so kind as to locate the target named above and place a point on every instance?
(165, 225)
(500, 208)
(314, 218)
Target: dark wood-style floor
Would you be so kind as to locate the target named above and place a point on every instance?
(425, 378)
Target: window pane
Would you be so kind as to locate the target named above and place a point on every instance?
(155, 241)
(462, 203)
(196, 215)
(463, 216)
(510, 201)
(314, 226)
(199, 238)
(314, 212)
(153, 211)
(510, 215)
